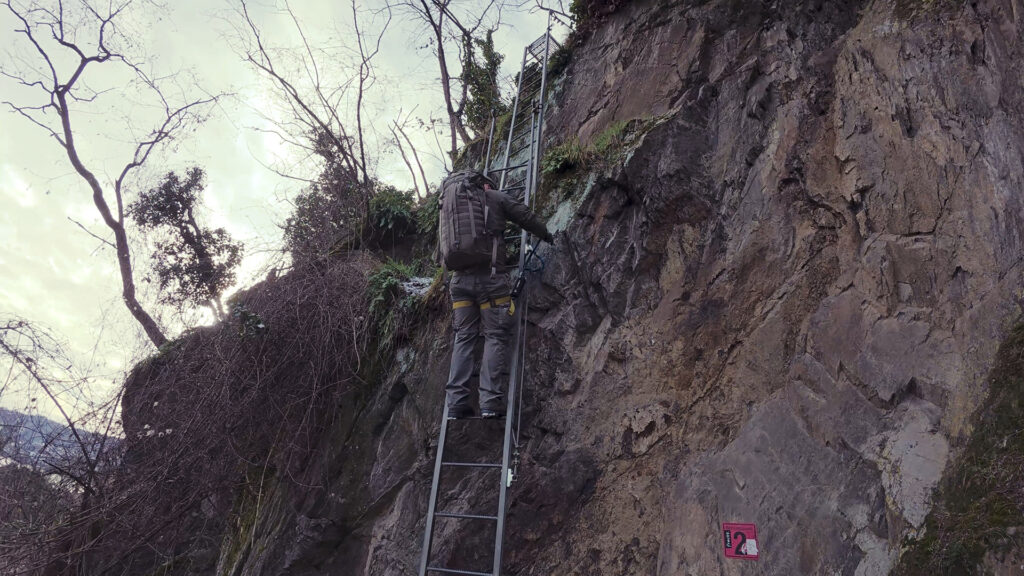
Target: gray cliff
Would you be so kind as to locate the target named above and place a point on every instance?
(778, 304)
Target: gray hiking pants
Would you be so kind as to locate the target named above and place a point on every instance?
(478, 299)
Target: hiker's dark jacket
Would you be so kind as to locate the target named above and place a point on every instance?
(505, 208)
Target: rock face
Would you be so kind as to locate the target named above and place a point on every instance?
(778, 306)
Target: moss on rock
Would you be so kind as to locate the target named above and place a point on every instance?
(981, 500)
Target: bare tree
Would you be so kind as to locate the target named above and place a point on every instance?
(65, 44)
(318, 104)
(405, 157)
(60, 471)
(398, 133)
(451, 33)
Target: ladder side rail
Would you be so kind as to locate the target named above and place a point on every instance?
(525, 307)
(490, 140)
(528, 195)
(512, 121)
(506, 456)
(519, 347)
(428, 531)
(543, 100)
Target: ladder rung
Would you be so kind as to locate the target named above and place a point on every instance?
(520, 149)
(516, 167)
(521, 129)
(518, 126)
(454, 571)
(518, 180)
(464, 516)
(511, 188)
(530, 86)
(531, 76)
(516, 143)
(472, 464)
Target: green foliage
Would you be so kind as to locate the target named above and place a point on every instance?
(587, 13)
(981, 497)
(391, 209)
(571, 155)
(389, 311)
(604, 149)
(579, 10)
(559, 60)
(426, 216)
(610, 138)
(501, 126)
(326, 215)
(481, 64)
(564, 157)
(250, 324)
(259, 485)
(332, 212)
(193, 264)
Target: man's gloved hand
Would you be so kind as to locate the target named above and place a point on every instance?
(549, 238)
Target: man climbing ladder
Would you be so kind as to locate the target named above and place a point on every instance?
(472, 223)
(471, 233)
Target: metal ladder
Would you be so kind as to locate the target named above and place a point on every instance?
(520, 180)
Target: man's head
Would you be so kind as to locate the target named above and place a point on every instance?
(485, 182)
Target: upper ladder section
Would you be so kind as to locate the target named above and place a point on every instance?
(519, 165)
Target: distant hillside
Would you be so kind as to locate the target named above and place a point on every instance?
(25, 438)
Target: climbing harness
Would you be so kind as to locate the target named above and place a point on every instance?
(520, 181)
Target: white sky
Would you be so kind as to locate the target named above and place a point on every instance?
(53, 273)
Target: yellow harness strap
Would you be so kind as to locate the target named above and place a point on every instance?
(496, 302)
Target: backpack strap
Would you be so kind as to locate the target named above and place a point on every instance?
(494, 255)
(454, 217)
(440, 256)
(469, 212)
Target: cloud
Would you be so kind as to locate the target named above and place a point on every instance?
(15, 188)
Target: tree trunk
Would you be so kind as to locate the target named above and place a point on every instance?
(457, 129)
(124, 259)
(124, 262)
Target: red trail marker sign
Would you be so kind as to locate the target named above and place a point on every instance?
(740, 540)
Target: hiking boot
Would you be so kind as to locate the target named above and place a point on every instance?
(491, 414)
(459, 412)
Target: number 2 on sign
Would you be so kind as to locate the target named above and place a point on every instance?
(740, 541)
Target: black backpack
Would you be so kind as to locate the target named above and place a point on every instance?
(465, 241)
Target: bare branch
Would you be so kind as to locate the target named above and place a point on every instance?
(87, 231)
(27, 31)
(401, 130)
(31, 367)
(175, 120)
(401, 150)
(318, 112)
(23, 111)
